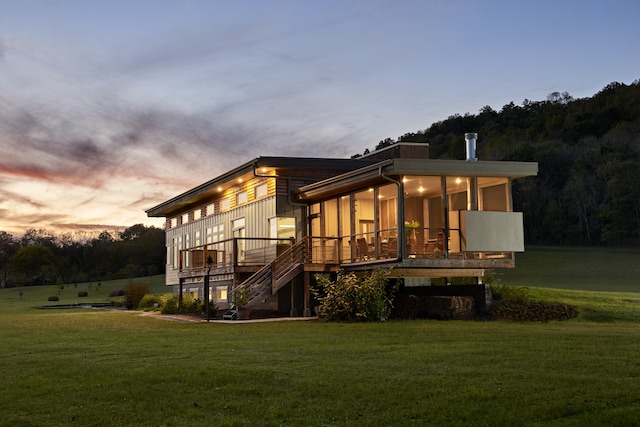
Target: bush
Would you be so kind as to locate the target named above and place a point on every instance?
(351, 298)
(134, 292)
(54, 298)
(190, 304)
(169, 303)
(148, 301)
(83, 294)
(116, 293)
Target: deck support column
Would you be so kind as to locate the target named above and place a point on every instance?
(307, 294)
(293, 312)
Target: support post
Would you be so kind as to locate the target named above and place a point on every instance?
(307, 294)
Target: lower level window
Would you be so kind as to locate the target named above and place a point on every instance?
(221, 293)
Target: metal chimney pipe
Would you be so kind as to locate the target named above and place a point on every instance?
(470, 139)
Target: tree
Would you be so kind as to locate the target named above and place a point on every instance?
(33, 265)
(8, 247)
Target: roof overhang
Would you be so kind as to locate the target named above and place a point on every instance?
(211, 189)
(394, 169)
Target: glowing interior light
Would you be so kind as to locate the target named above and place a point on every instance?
(458, 180)
(421, 189)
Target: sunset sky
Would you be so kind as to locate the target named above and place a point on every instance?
(110, 107)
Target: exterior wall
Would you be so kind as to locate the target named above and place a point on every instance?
(492, 231)
(256, 217)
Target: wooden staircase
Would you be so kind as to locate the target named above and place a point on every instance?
(273, 276)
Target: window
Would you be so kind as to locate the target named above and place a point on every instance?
(173, 223)
(215, 233)
(221, 293)
(185, 218)
(282, 228)
(225, 204)
(211, 209)
(197, 214)
(241, 198)
(261, 190)
(196, 240)
(177, 245)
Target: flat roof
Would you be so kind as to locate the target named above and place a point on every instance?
(424, 167)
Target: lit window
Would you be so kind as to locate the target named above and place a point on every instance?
(242, 198)
(211, 209)
(282, 228)
(185, 218)
(221, 293)
(225, 204)
(174, 223)
(261, 190)
(197, 214)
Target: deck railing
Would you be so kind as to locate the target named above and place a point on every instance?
(381, 245)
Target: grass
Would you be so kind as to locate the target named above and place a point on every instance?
(21, 299)
(593, 269)
(95, 368)
(103, 368)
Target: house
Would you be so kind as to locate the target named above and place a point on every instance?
(272, 223)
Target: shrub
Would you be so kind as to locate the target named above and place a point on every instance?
(83, 294)
(351, 298)
(54, 298)
(169, 303)
(148, 301)
(134, 292)
(190, 304)
(213, 309)
(115, 293)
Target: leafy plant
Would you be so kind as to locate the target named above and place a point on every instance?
(169, 304)
(241, 297)
(134, 292)
(148, 301)
(350, 297)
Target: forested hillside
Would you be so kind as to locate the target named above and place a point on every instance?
(587, 191)
(40, 257)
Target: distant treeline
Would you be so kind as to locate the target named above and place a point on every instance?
(587, 191)
(40, 257)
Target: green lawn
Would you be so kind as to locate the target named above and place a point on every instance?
(25, 298)
(95, 368)
(595, 269)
